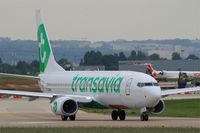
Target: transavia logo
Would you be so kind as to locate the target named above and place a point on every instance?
(44, 49)
(42, 53)
(55, 106)
(97, 84)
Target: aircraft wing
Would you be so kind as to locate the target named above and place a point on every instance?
(51, 96)
(19, 76)
(175, 91)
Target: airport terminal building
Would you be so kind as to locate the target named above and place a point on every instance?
(169, 65)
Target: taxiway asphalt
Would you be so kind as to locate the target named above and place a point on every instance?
(22, 113)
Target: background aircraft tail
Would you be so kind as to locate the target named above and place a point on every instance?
(47, 61)
(151, 70)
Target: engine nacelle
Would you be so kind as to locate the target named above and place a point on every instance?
(64, 106)
(159, 108)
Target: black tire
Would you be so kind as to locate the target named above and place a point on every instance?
(114, 115)
(122, 115)
(72, 117)
(144, 117)
(64, 117)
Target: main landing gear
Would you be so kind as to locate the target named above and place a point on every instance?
(118, 113)
(122, 115)
(65, 117)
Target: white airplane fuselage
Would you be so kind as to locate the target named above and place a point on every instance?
(112, 89)
(175, 74)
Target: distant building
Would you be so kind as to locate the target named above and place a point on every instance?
(162, 53)
(169, 65)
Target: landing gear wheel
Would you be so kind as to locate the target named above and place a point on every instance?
(144, 117)
(122, 114)
(114, 115)
(64, 117)
(72, 117)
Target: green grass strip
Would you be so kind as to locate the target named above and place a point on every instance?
(99, 130)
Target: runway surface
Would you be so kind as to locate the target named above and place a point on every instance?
(90, 120)
(21, 113)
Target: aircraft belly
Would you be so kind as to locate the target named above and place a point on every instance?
(135, 100)
(111, 101)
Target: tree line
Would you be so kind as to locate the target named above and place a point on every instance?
(32, 68)
(91, 58)
(110, 61)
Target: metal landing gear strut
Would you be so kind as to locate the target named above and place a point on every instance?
(144, 114)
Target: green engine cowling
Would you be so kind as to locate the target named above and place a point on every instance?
(64, 106)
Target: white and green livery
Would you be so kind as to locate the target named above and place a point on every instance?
(69, 90)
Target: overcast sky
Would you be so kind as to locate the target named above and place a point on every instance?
(102, 19)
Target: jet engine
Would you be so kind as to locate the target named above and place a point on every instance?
(159, 108)
(64, 106)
